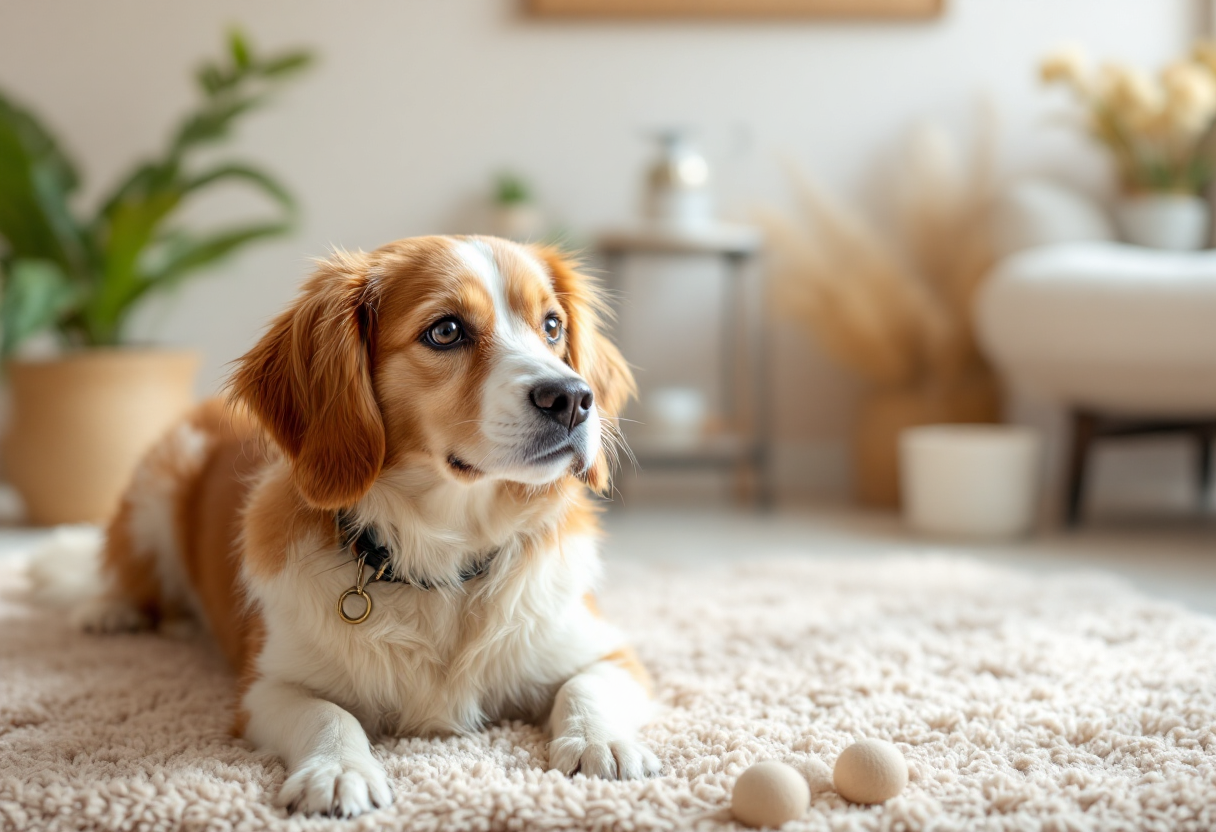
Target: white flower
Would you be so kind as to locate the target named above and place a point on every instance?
(1131, 95)
(1190, 97)
(1205, 54)
(1067, 65)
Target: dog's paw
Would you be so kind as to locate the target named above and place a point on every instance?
(110, 615)
(342, 788)
(619, 758)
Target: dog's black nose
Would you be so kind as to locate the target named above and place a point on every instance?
(566, 401)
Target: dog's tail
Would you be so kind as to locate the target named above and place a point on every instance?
(65, 570)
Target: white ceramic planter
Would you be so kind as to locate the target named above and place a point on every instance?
(1178, 222)
(976, 481)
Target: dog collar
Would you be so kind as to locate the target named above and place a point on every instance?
(367, 551)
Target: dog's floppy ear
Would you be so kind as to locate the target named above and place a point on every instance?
(590, 354)
(309, 383)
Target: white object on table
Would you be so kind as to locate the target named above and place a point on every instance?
(745, 442)
(1176, 222)
(977, 481)
(676, 415)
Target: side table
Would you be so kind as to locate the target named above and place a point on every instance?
(744, 446)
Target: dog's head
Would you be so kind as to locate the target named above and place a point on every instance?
(475, 356)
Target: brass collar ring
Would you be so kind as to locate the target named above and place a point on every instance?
(360, 589)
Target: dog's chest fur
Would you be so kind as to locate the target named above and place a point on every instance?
(445, 660)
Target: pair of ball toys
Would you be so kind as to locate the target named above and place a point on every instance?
(770, 794)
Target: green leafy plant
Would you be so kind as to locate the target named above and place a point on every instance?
(511, 189)
(83, 275)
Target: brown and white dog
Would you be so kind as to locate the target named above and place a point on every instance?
(446, 398)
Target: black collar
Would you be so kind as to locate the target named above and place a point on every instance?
(363, 543)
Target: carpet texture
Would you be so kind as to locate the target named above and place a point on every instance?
(1067, 703)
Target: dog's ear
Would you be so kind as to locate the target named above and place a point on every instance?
(590, 353)
(309, 383)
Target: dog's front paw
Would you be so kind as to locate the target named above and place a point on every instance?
(616, 758)
(334, 786)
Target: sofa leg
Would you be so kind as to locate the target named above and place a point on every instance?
(1084, 427)
(1203, 438)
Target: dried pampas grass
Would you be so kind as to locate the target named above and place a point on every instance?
(895, 309)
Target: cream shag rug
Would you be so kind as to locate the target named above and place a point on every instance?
(1055, 704)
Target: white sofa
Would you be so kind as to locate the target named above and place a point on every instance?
(1106, 326)
(1124, 337)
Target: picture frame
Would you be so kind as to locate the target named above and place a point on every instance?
(757, 9)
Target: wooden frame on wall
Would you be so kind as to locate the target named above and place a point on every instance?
(737, 8)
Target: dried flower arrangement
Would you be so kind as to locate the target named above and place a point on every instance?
(897, 314)
(1159, 130)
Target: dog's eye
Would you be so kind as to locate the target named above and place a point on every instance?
(553, 328)
(445, 333)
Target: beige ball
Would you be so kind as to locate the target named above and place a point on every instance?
(770, 794)
(870, 771)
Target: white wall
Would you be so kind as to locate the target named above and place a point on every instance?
(418, 102)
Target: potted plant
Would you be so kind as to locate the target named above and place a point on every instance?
(516, 216)
(83, 416)
(1159, 132)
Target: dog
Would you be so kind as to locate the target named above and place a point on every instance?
(389, 524)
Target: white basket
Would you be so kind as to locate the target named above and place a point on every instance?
(978, 481)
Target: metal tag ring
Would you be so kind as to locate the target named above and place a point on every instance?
(354, 590)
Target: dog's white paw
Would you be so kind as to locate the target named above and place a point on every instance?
(618, 758)
(110, 615)
(340, 787)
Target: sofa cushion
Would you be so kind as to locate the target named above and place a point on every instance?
(1106, 325)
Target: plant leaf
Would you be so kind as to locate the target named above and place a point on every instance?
(213, 122)
(36, 294)
(287, 63)
(190, 255)
(211, 79)
(238, 46)
(186, 254)
(36, 182)
(129, 229)
(267, 184)
(136, 250)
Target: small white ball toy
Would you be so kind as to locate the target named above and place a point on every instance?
(770, 794)
(870, 771)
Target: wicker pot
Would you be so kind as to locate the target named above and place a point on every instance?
(885, 414)
(80, 424)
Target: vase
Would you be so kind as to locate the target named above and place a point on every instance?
(885, 413)
(677, 186)
(81, 422)
(1177, 222)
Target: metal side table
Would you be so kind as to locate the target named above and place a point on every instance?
(744, 446)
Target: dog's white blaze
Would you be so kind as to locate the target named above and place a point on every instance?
(521, 361)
